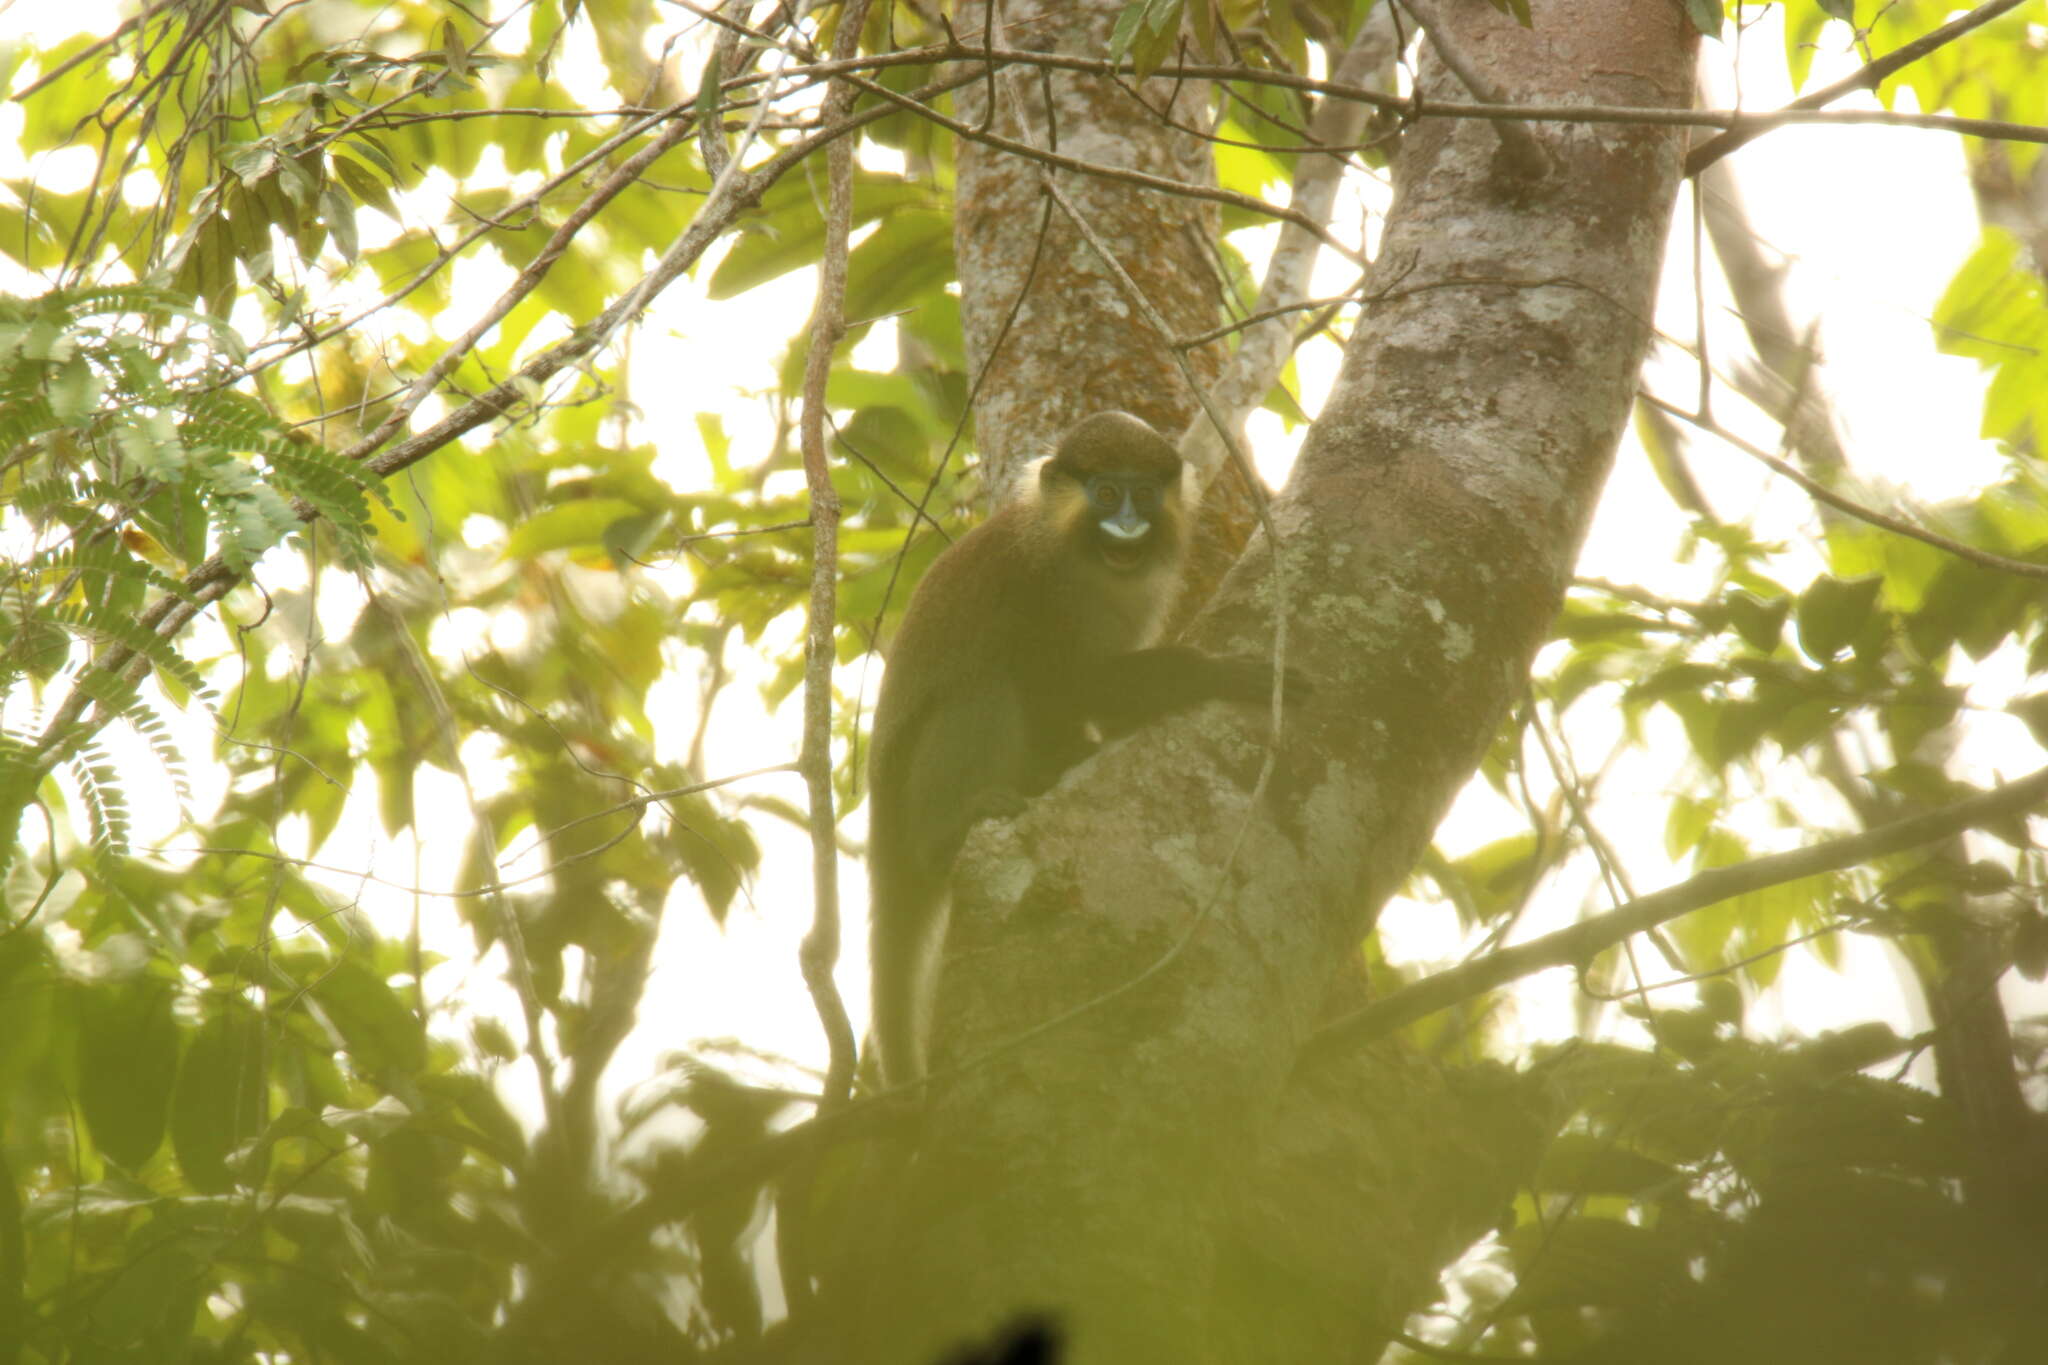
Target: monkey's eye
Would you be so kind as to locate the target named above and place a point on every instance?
(1106, 496)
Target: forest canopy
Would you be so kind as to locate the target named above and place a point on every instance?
(461, 469)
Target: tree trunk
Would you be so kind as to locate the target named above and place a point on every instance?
(1154, 1172)
(1047, 327)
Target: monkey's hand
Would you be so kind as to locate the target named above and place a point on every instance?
(994, 803)
(1245, 678)
(1129, 690)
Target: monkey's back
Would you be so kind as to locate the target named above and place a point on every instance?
(955, 723)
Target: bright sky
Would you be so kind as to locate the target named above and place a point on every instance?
(1872, 222)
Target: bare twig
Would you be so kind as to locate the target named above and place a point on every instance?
(1059, 160)
(1820, 492)
(1866, 78)
(819, 954)
(1407, 106)
(92, 50)
(634, 805)
(1581, 942)
(1252, 319)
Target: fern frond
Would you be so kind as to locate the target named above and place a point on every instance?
(24, 415)
(105, 562)
(38, 497)
(106, 804)
(109, 688)
(159, 651)
(252, 517)
(145, 721)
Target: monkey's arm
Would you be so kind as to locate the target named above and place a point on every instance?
(1125, 691)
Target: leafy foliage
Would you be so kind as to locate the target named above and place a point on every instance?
(257, 1104)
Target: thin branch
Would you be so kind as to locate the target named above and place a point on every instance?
(1866, 78)
(1252, 319)
(635, 804)
(1820, 492)
(1119, 174)
(626, 174)
(646, 799)
(1578, 796)
(509, 928)
(1789, 358)
(819, 954)
(91, 51)
(1581, 942)
(1409, 107)
(1642, 989)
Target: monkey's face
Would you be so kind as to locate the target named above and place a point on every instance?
(1129, 519)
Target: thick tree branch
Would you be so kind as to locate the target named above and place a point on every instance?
(1577, 945)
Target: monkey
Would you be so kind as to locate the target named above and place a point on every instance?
(1030, 639)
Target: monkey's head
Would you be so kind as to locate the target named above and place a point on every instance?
(1114, 485)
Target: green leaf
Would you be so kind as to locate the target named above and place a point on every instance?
(1759, 621)
(127, 1063)
(1832, 613)
(1803, 24)
(220, 1096)
(1583, 1163)
(365, 186)
(1497, 875)
(340, 217)
(1586, 1261)
(718, 852)
(74, 391)
(579, 525)
(910, 257)
(706, 104)
(147, 1310)
(1127, 21)
(383, 1035)
(1995, 310)
(1159, 35)
(1687, 823)
(789, 230)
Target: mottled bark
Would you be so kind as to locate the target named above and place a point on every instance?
(1154, 1171)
